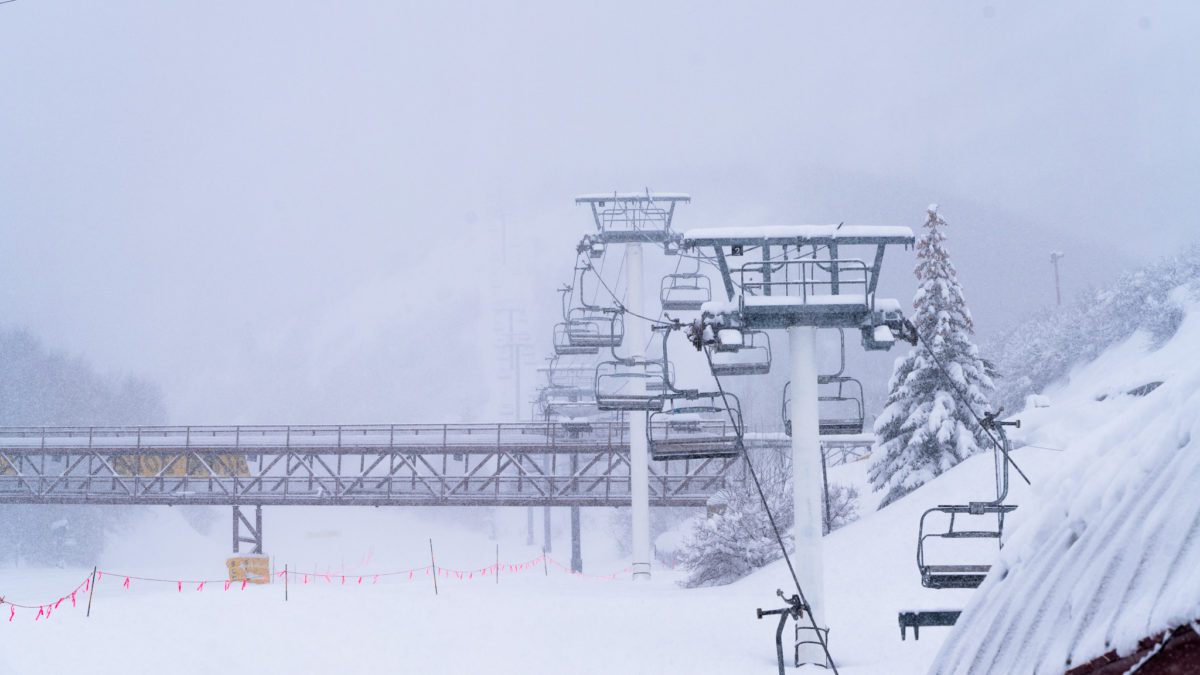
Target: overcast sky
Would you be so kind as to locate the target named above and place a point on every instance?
(293, 211)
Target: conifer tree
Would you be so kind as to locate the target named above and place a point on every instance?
(927, 425)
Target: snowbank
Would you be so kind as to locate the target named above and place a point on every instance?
(1109, 551)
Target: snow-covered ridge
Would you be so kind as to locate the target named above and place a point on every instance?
(1108, 551)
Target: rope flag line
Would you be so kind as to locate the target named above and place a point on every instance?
(46, 610)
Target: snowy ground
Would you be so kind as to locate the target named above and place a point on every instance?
(527, 623)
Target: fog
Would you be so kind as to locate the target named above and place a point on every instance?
(310, 212)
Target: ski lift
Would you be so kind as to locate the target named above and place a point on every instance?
(696, 426)
(629, 384)
(563, 345)
(840, 411)
(971, 574)
(685, 291)
(741, 352)
(595, 327)
(578, 375)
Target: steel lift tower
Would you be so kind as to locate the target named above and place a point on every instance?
(801, 278)
(634, 219)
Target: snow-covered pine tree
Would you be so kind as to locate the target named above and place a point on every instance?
(926, 427)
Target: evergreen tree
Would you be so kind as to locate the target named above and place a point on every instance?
(927, 425)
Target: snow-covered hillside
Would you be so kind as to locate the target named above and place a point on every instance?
(1111, 551)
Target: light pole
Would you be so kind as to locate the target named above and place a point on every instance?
(1055, 256)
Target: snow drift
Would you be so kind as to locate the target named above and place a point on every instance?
(1109, 550)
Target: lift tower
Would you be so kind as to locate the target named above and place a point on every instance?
(801, 278)
(634, 219)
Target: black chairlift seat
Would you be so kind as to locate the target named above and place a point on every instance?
(937, 617)
(749, 354)
(695, 427)
(840, 412)
(685, 291)
(630, 385)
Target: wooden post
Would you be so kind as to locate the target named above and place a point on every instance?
(285, 582)
(91, 591)
(433, 565)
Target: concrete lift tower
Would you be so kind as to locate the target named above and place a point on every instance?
(801, 278)
(633, 219)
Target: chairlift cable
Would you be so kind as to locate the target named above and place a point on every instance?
(623, 308)
(963, 400)
(771, 518)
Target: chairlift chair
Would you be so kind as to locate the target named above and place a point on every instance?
(595, 327)
(685, 291)
(563, 346)
(748, 353)
(968, 575)
(628, 384)
(696, 426)
(840, 412)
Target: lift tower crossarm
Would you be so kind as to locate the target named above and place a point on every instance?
(801, 235)
(633, 217)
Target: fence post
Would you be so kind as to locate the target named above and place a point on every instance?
(91, 592)
(433, 565)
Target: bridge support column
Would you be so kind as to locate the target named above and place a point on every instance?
(253, 530)
(806, 483)
(529, 526)
(639, 452)
(576, 544)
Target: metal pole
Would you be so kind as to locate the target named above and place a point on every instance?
(1055, 256)
(639, 455)
(433, 567)
(576, 547)
(545, 564)
(827, 519)
(285, 582)
(91, 592)
(546, 541)
(806, 480)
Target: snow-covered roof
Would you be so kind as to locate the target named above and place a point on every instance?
(634, 196)
(1109, 553)
(884, 234)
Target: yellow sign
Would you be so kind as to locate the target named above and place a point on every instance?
(178, 465)
(255, 569)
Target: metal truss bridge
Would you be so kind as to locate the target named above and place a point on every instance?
(519, 464)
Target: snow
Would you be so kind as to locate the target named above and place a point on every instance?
(657, 196)
(833, 231)
(804, 301)
(528, 623)
(1111, 553)
(1116, 462)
